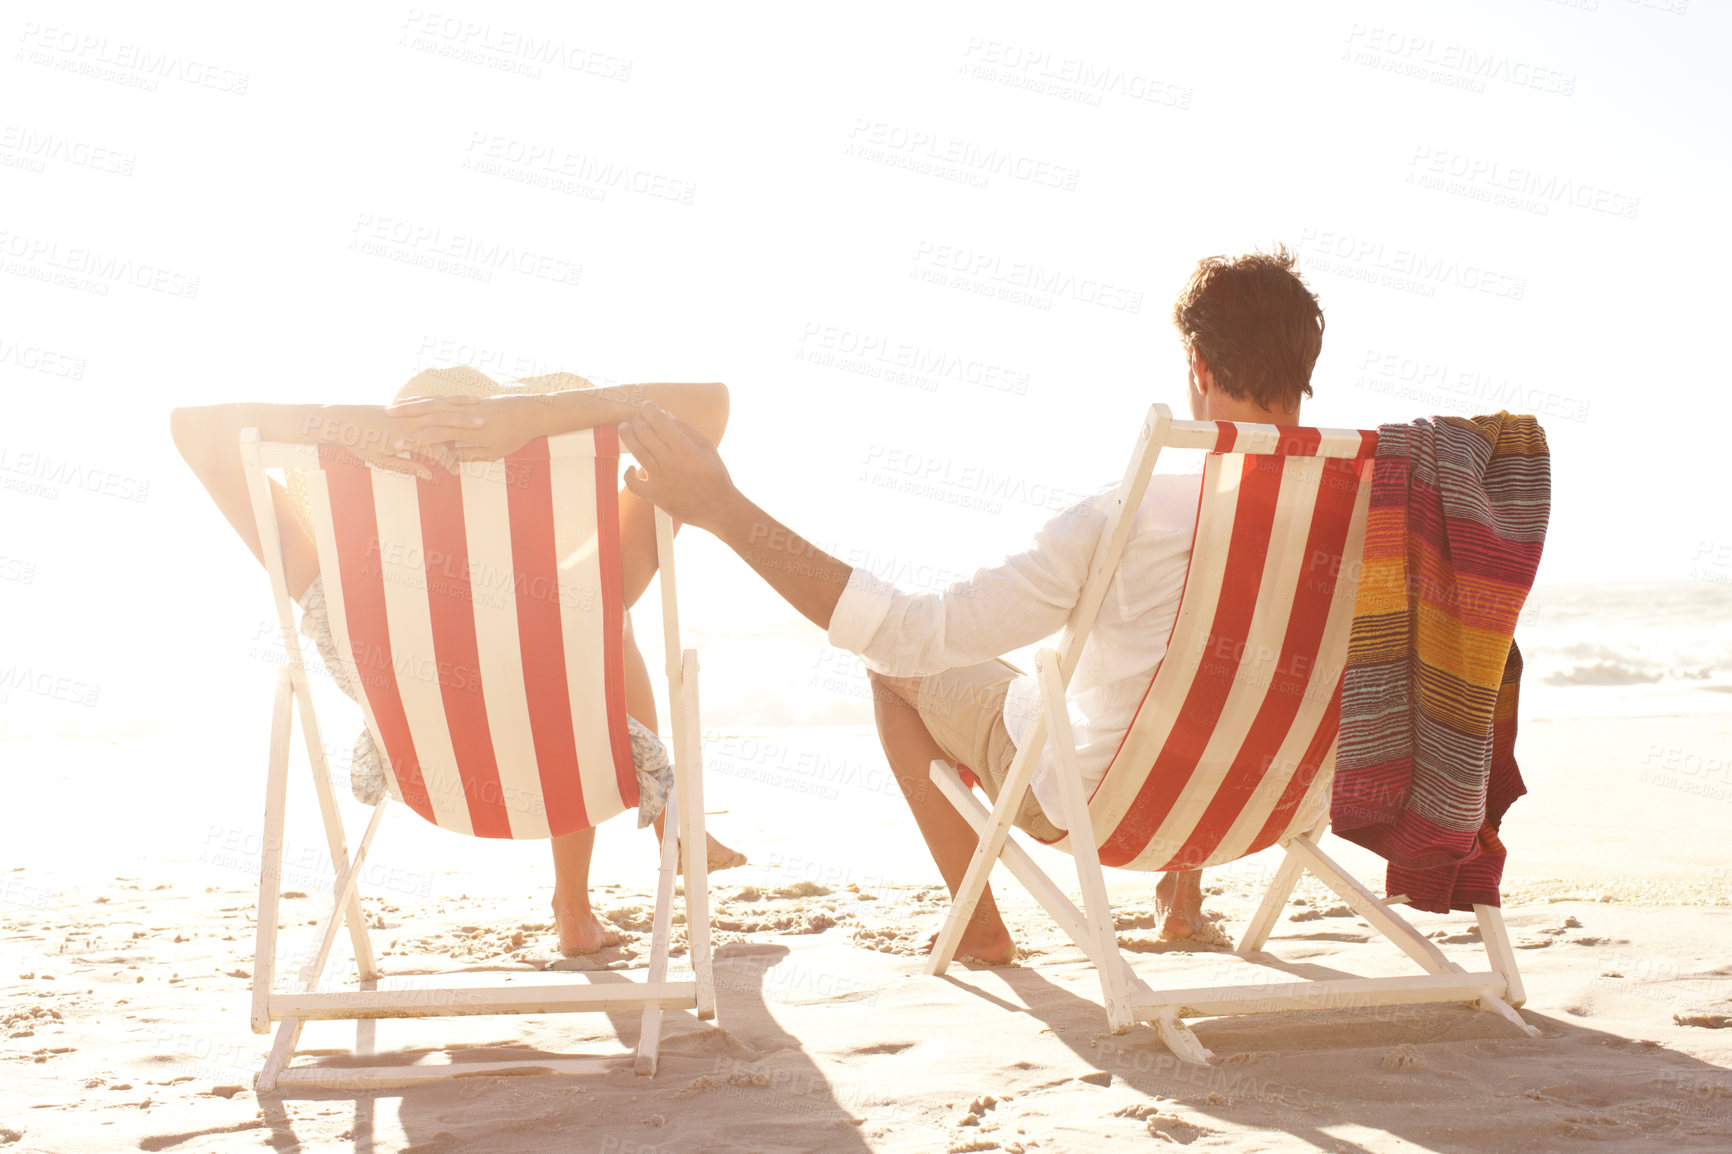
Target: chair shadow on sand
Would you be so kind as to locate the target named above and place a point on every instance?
(704, 1065)
(1305, 1073)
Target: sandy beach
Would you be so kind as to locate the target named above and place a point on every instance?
(125, 963)
(944, 257)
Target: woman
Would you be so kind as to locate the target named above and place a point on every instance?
(446, 416)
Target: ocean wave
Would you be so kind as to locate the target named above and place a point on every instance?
(1629, 653)
(1603, 673)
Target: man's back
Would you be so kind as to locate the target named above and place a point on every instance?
(1129, 637)
(1028, 597)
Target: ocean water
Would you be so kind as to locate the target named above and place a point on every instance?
(789, 747)
(1633, 649)
(1628, 650)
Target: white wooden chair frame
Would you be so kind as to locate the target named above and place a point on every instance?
(1126, 996)
(375, 997)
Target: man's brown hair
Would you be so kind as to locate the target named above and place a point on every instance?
(1257, 326)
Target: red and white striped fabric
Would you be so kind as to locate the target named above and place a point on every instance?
(1233, 747)
(482, 616)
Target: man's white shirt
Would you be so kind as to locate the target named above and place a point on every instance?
(1028, 597)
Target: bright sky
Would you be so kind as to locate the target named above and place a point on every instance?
(932, 251)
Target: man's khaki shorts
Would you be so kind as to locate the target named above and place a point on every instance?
(964, 711)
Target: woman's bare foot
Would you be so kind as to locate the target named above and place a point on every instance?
(580, 931)
(721, 857)
(1179, 904)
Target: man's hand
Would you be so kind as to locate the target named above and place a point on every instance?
(679, 470)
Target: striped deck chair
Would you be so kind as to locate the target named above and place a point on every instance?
(1233, 748)
(481, 615)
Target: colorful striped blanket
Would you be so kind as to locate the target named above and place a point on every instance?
(1426, 766)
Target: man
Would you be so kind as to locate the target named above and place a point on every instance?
(1251, 332)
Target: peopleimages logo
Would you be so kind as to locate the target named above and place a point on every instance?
(41, 259)
(1454, 65)
(463, 254)
(506, 49)
(40, 360)
(17, 569)
(549, 165)
(961, 483)
(1434, 382)
(1363, 258)
(134, 65)
(929, 151)
(1513, 186)
(55, 686)
(912, 363)
(43, 474)
(1066, 77)
(36, 149)
(473, 579)
(1020, 282)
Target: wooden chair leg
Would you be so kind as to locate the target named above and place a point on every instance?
(1274, 901)
(1281, 885)
(690, 778)
(348, 879)
(1495, 935)
(359, 938)
(1023, 868)
(1408, 939)
(1103, 938)
(281, 1053)
(649, 1031)
(986, 850)
(271, 857)
(1365, 903)
(1493, 1004)
(1185, 1045)
(682, 673)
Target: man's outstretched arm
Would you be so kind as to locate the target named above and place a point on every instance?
(680, 470)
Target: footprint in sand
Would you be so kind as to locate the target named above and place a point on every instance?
(907, 943)
(884, 1048)
(1210, 935)
(710, 1082)
(1168, 1127)
(1469, 936)
(797, 921)
(1404, 1059)
(803, 889)
(1706, 1021)
(886, 940)
(1134, 918)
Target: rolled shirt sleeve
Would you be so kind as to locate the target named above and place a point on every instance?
(864, 604)
(1026, 597)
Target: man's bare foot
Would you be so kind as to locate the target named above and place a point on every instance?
(581, 933)
(1179, 905)
(988, 947)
